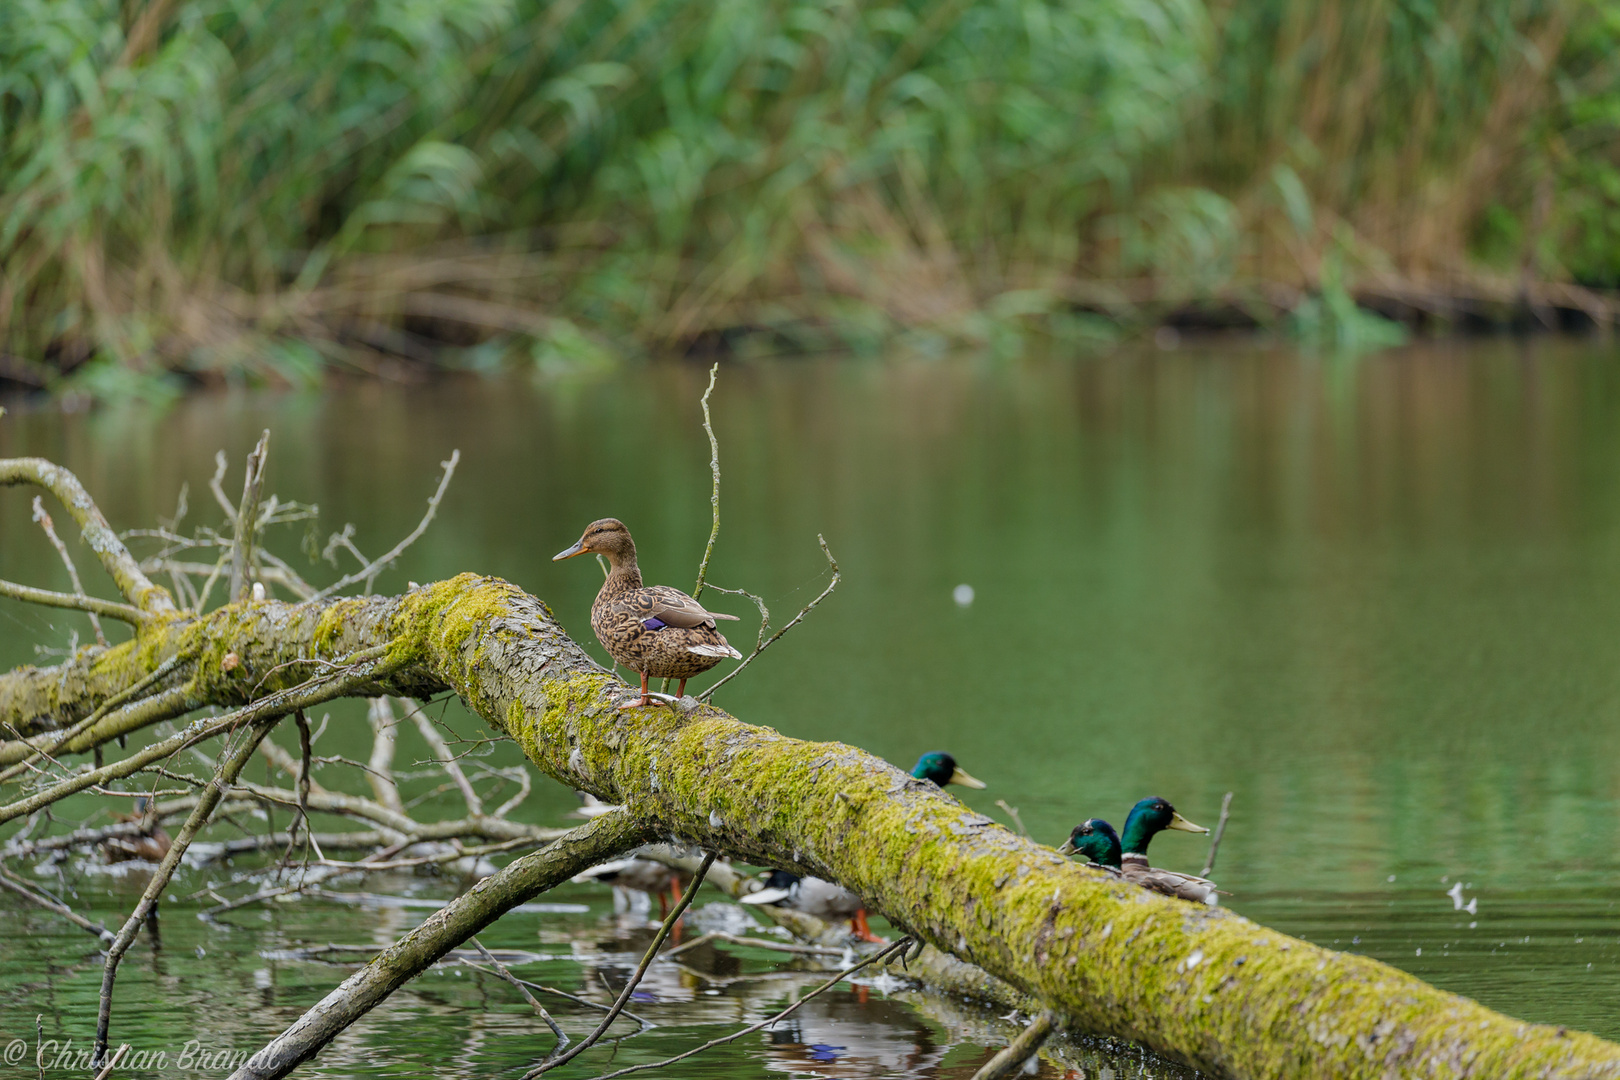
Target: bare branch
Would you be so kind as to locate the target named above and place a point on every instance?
(380, 769)
(16, 885)
(500, 969)
(605, 838)
(363, 668)
(115, 557)
(230, 768)
(714, 496)
(93, 604)
(831, 585)
(883, 954)
(369, 572)
(49, 526)
(1013, 1056)
(1220, 831)
(436, 743)
(247, 519)
(51, 743)
(635, 980)
(216, 485)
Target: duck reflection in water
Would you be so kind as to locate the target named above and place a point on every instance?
(849, 1032)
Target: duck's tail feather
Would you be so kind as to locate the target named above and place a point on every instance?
(722, 651)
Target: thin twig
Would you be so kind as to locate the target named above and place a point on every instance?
(45, 523)
(447, 761)
(1019, 1050)
(753, 943)
(107, 1069)
(501, 970)
(217, 486)
(364, 667)
(116, 701)
(575, 998)
(94, 604)
(369, 572)
(247, 520)
(1012, 812)
(1215, 841)
(16, 885)
(759, 602)
(302, 817)
(714, 495)
(229, 769)
(831, 585)
(635, 979)
(734, 1036)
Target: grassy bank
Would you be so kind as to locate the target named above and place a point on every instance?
(228, 187)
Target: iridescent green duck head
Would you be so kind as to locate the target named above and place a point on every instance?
(942, 769)
(605, 536)
(1096, 840)
(1150, 817)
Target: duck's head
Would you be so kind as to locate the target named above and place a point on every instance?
(942, 769)
(1096, 840)
(1150, 817)
(605, 536)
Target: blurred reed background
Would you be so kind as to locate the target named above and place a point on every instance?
(270, 189)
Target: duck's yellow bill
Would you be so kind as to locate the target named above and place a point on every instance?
(569, 553)
(1181, 823)
(960, 776)
(1068, 848)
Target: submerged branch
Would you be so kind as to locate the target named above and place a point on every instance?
(607, 837)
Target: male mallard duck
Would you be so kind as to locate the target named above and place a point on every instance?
(1147, 819)
(1097, 841)
(654, 630)
(151, 845)
(942, 769)
(826, 900)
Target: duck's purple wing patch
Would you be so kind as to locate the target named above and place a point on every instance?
(654, 623)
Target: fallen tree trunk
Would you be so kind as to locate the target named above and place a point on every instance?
(1203, 986)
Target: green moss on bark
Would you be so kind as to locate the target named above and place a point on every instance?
(1201, 985)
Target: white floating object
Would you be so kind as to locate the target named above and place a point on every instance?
(963, 595)
(1455, 892)
(1472, 907)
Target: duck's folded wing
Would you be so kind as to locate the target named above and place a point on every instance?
(674, 608)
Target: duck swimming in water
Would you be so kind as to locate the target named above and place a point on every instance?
(1147, 819)
(942, 769)
(1097, 841)
(150, 845)
(826, 900)
(654, 630)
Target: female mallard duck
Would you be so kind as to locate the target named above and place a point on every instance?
(656, 631)
(1097, 841)
(826, 900)
(1147, 819)
(942, 769)
(642, 875)
(151, 844)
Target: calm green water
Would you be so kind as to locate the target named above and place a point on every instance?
(1378, 599)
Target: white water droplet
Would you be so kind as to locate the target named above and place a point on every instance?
(1420, 952)
(963, 595)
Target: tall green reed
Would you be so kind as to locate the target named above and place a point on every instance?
(267, 187)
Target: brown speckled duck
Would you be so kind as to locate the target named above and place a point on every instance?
(656, 631)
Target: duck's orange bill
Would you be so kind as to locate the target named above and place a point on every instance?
(568, 553)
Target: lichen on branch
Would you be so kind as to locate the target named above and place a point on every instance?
(1204, 986)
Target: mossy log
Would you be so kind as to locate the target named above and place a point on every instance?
(1199, 985)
